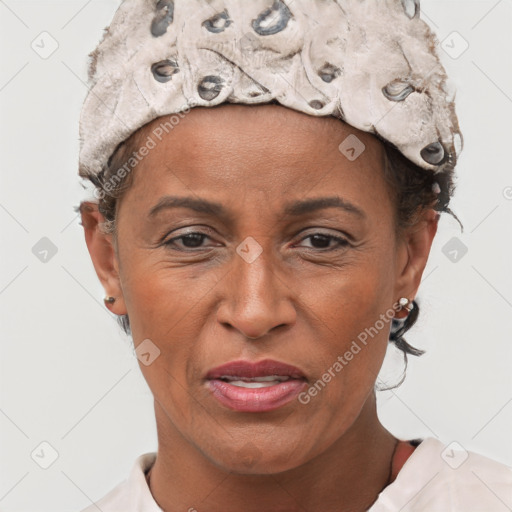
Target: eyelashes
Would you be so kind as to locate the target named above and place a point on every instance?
(195, 240)
(189, 236)
(343, 242)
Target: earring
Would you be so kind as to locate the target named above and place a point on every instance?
(406, 304)
(109, 300)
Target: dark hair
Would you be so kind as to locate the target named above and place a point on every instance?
(413, 190)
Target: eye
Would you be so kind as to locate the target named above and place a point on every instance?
(194, 240)
(191, 240)
(322, 241)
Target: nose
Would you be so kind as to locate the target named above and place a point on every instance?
(255, 299)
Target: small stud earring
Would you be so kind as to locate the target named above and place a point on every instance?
(406, 304)
(109, 300)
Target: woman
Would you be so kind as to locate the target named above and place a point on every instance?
(269, 178)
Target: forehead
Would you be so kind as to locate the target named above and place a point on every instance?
(264, 147)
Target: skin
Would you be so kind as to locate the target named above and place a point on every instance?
(302, 301)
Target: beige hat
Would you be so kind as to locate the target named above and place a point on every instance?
(371, 63)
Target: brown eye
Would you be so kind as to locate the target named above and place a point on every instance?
(323, 241)
(191, 241)
(188, 241)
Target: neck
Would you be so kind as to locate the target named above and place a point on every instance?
(346, 477)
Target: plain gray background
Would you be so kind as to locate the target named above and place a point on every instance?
(68, 374)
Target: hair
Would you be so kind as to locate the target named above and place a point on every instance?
(413, 190)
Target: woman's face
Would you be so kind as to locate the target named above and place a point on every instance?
(265, 273)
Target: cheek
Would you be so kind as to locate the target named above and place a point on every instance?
(161, 299)
(168, 306)
(353, 297)
(167, 309)
(352, 308)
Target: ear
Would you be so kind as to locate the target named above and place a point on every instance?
(103, 255)
(412, 255)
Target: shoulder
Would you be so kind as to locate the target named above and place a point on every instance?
(132, 494)
(448, 478)
(116, 499)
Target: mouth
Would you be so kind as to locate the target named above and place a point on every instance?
(255, 387)
(255, 382)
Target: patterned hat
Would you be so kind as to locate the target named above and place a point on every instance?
(371, 63)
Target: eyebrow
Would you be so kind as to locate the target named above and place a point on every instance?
(198, 205)
(294, 209)
(319, 203)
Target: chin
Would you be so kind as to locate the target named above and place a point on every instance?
(254, 458)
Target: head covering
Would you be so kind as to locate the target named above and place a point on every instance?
(371, 63)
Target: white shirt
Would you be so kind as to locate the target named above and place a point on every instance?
(434, 478)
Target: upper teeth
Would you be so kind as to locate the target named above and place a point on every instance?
(255, 382)
(268, 378)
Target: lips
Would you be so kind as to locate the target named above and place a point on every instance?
(255, 387)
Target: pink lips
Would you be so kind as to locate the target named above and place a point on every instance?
(290, 381)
